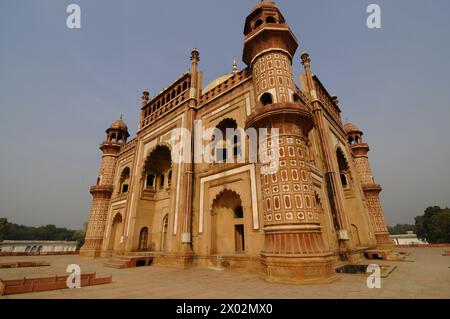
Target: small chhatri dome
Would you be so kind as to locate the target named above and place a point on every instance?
(117, 127)
(351, 128)
(119, 124)
(265, 4)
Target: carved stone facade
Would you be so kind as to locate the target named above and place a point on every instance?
(290, 222)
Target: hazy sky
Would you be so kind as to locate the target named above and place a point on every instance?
(61, 88)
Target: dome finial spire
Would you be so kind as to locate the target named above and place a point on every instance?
(235, 66)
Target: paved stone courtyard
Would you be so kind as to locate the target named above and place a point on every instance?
(427, 277)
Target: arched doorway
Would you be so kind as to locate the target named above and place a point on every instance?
(165, 227)
(143, 239)
(116, 232)
(355, 235)
(227, 224)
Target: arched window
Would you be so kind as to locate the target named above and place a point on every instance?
(236, 146)
(124, 180)
(157, 166)
(229, 141)
(150, 182)
(258, 23)
(238, 212)
(270, 19)
(169, 178)
(350, 140)
(165, 227)
(143, 238)
(344, 169)
(161, 181)
(344, 180)
(266, 98)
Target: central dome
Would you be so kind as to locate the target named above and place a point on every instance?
(217, 82)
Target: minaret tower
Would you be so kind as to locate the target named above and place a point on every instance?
(116, 137)
(370, 188)
(294, 250)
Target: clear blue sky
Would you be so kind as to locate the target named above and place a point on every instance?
(61, 88)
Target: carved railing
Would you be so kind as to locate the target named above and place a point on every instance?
(129, 145)
(327, 102)
(166, 101)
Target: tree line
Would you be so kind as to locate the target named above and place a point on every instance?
(433, 226)
(11, 231)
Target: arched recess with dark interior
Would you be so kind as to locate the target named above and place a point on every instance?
(164, 232)
(157, 166)
(266, 98)
(143, 239)
(270, 19)
(228, 225)
(344, 169)
(116, 233)
(258, 23)
(124, 181)
(227, 140)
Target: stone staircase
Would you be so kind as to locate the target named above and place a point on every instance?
(121, 262)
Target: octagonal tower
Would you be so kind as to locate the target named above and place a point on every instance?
(116, 137)
(294, 249)
(370, 188)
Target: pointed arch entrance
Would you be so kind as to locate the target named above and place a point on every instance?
(227, 224)
(116, 233)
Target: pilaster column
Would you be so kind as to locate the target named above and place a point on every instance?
(334, 190)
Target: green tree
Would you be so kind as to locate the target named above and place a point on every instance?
(48, 232)
(420, 231)
(3, 228)
(439, 228)
(434, 225)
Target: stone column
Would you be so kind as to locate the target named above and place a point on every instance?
(294, 249)
(335, 193)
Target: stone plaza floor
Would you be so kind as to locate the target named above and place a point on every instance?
(428, 276)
